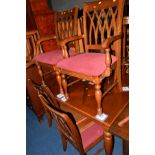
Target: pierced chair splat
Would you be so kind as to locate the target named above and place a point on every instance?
(31, 46)
(65, 26)
(102, 25)
(82, 140)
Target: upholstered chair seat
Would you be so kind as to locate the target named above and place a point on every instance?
(88, 136)
(90, 64)
(52, 57)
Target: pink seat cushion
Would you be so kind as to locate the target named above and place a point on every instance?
(91, 134)
(52, 57)
(91, 64)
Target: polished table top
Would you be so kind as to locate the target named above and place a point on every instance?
(83, 101)
(120, 126)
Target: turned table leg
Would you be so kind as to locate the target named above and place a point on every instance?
(108, 141)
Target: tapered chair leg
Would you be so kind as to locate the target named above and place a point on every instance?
(64, 142)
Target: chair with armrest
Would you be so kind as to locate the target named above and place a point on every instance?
(102, 25)
(125, 52)
(82, 140)
(65, 26)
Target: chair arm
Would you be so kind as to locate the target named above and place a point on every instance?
(110, 40)
(31, 32)
(29, 64)
(46, 38)
(63, 42)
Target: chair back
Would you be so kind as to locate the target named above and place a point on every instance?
(102, 20)
(66, 125)
(49, 98)
(31, 42)
(65, 121)
(66, 23)
(66, 26)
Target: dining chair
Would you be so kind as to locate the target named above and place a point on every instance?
(82, 140)
(47, 93)
(31, 46)
(102, 24)
(65, 26)
(125, 53)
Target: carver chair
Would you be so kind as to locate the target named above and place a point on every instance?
(102, 25)
(82, 140)
(65, 26)
(125, 54)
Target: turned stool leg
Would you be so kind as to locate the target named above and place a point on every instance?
(98, 97)
(64, 84)
(108, 141)
(58, 77)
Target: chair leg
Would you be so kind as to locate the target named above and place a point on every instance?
(64, 84)
(98, 97)
(40, 73)
(49, 121)
(64, 142)
(58, 77)
(108, 142)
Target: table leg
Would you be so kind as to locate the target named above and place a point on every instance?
(108, 141)
(125, 147)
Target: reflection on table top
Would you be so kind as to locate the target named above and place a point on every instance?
(120, 126)
(83, 101)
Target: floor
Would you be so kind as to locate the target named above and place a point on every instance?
(42, 140)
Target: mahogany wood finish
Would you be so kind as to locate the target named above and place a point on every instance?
(125, 52)
(102, 25)
(30, 22)
(67, 124)
(31, 72)
(31, 46)
(82, 100)
(43, 17)
(120, 127)
(65, 26)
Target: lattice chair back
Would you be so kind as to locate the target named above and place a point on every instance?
(31, 43)
(102, 20)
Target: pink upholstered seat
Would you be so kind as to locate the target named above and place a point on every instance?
(52, 57)
(91, 134)
(92, 64)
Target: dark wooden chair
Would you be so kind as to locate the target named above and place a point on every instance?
(31, 46)
(125, 52)
(47, 93)
(82, 140)
(102, 25)
(65, 26)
